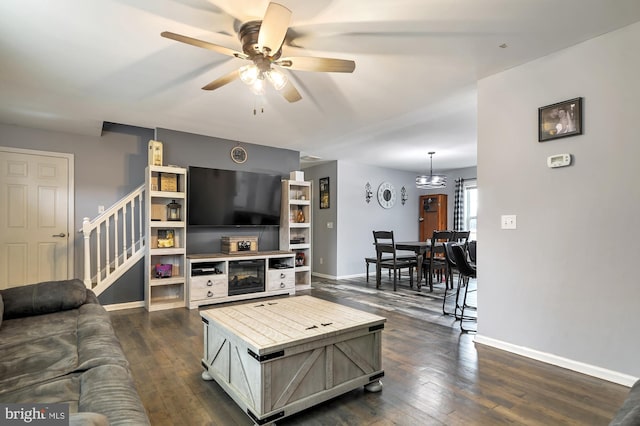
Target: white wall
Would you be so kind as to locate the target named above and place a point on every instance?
(564, 285)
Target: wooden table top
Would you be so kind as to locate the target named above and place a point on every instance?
(276, 324)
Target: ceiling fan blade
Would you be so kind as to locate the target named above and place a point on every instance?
(225, 79)
(303, 63)
(274, 27)
(203, 44)
(290, 93)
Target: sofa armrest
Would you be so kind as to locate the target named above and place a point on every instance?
(629, 413)
(43, 298)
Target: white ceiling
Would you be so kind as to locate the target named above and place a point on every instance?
(69, 65)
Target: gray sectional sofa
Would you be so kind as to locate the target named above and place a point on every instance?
(57, 345)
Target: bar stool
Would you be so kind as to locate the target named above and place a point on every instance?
(467, 272)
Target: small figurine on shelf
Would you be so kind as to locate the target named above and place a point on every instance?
(300, 215)
(300, 258)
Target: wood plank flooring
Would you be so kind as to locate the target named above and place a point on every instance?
(434, 374)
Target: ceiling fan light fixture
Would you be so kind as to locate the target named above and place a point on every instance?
(249, 74)
(277, 78)
(431, 181)
(258, 86)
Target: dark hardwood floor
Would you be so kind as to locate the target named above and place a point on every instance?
(434, 374)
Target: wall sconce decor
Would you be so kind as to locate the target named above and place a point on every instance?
(368, 194)
(403, 195)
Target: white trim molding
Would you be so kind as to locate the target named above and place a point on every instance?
(580, 367)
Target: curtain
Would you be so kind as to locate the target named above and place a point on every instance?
(458, 206)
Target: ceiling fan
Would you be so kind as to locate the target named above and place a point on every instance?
(262, 45)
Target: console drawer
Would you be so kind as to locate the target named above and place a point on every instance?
(281, 279)
(208, 286)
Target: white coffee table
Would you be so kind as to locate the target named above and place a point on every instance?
(279, 356)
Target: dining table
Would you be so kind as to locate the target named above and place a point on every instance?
(420, 248)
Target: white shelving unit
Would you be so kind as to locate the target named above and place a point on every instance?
(165, 185)
(295, 235)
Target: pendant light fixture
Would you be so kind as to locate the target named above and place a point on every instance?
(431, 181)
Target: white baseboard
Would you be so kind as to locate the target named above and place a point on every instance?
(333, 277)
(121, 306)
(346, 277)
(325, 276)
(580, 367)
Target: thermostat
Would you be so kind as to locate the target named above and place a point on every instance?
(559, 160)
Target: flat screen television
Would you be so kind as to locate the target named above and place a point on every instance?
(232, 198)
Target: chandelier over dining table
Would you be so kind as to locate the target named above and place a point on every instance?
(431, 181)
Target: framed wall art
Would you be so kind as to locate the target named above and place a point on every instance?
(560, 120)
(324, 193)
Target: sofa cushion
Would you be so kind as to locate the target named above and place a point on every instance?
(43, 298)
(42, 347)
(36, 349)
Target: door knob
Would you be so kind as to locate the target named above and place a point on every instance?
(421, 219)
(61, 235)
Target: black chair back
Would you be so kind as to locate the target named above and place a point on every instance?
(448, 254)
(461, 237)
(384, 242)
(472, 250)
(463, 265)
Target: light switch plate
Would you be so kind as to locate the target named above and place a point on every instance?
(508, 221)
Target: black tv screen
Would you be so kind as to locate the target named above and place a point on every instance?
(232, 198)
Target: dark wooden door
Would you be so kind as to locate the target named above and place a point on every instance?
(432, 214)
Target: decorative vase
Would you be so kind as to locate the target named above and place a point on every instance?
(300, 216)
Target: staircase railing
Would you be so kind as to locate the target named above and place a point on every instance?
(114, 241)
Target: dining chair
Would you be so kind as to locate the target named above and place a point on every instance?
(436, 261)
(385, 244)
(467, 272)
(461, 237)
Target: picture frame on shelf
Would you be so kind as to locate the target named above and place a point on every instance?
(560, 120)
(168, 182)
(164, 270)
(166, 238)
(324, 193)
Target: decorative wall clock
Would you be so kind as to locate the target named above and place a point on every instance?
(386, 195)
(238, 154)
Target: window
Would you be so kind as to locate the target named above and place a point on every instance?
(471, 207)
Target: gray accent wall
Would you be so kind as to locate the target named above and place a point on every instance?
(564, 282)
(109, 166)
(188, 149)
(324, 239)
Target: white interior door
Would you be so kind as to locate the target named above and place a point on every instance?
(35, 216)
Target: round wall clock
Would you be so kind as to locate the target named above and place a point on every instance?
(238, 154)
(386, 195)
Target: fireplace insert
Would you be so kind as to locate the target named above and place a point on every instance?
(246, 276)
